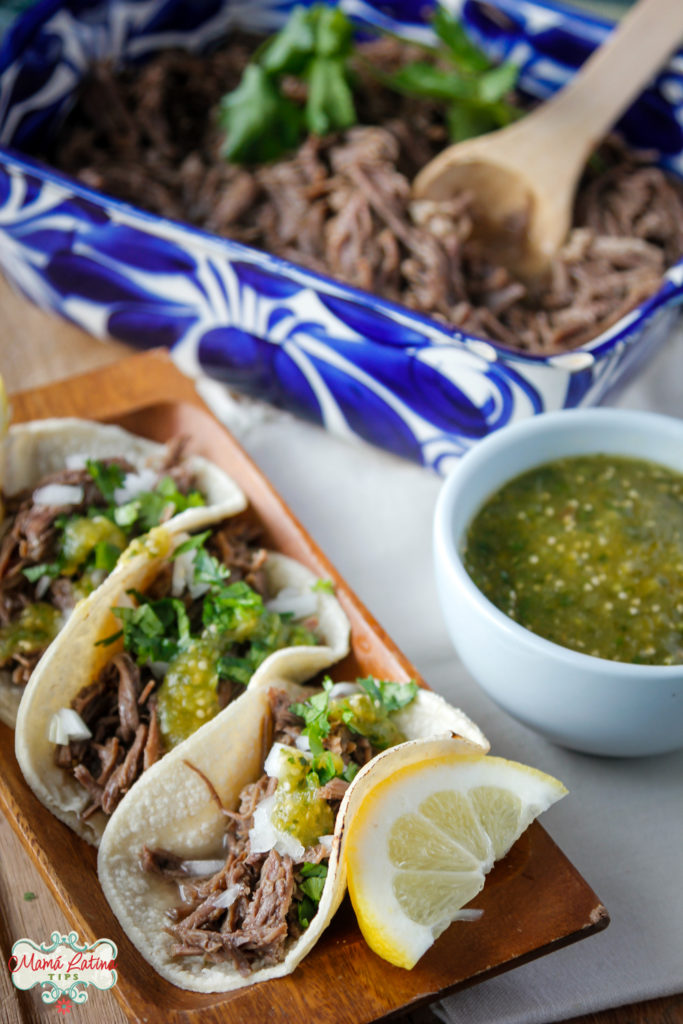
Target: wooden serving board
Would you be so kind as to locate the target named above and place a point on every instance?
(534, 900)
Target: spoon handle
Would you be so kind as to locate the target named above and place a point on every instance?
(615, 74)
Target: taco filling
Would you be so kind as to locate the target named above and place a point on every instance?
(65, 534)
(186, 648)
(250, 906)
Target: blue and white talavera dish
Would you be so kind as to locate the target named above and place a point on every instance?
(351, 361)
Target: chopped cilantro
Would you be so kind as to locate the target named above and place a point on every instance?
(237, 632)
(35, 572)
(391, 696)
(28, 896)
(315, 713)
(108, 477)
(154, 631)
(312, 885)
(324, 586)
(148, 508)
(106, 556)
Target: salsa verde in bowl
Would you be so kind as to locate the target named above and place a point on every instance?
(571, 524)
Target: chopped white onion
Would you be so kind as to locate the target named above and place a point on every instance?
(76, 460)
(227, 897)
(264, 837)
(468, 915)
(343, 690)
(135, 483)
(55, 495)
(65, 725)
(42, 586)
(273, 762)
(203, 867)
(326, 843)
(303, 743)
(183, 571)
(183, 576)
(292, 601)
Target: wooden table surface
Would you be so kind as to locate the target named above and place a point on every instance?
(35, 349)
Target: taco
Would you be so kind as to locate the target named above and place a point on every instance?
(74, 494)
(167, 642)
(223, 864)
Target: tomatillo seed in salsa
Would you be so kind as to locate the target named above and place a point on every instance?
(587, 551)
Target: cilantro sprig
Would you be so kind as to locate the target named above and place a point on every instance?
(473, 90)
(261, 122)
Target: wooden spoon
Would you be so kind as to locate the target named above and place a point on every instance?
(523, 177)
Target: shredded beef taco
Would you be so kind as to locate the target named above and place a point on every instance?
(171, 639)
(74, 494)
(223, 864)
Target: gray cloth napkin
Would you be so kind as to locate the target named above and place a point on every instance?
(621, 825)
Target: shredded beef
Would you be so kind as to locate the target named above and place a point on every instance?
(119, 706)
(125, 736)
(262, 920)
(30, 539)
(341, 204)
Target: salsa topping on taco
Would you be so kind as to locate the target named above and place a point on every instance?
(190, 644)
(63, 536)
(249, 908)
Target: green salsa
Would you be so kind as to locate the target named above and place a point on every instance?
(84, 535)
(298, 809)
(368, 718)
(587, 551)
(31, 631)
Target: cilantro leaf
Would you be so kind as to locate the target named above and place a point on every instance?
(312, 885)
(461, 76)
(258, 121)
(288, 50)
(106, 555)
(390, 695)
(462, 50)
(35, 572)
(329, 106)
(315, 713)
(107, 476)
(152, 631)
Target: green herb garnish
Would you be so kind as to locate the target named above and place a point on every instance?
(315, 713)
(311, 885)
(260, 122)
(108, 477)
(148, 508)
(473, 89)
(388, 695)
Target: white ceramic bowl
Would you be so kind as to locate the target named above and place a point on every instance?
(576, 700)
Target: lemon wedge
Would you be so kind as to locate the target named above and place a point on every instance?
(428, 822)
